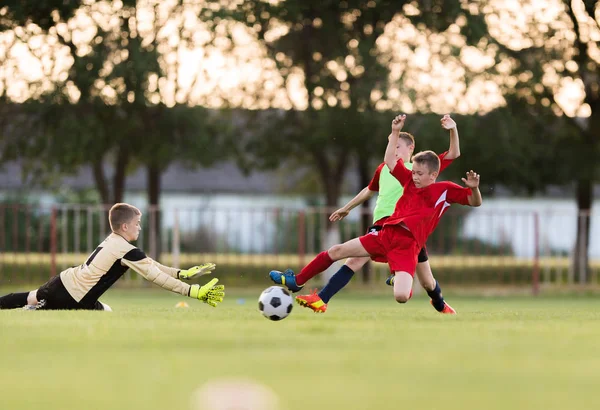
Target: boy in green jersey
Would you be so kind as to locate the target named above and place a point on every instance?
(390, 190)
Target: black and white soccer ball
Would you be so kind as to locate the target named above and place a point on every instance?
(275, 303)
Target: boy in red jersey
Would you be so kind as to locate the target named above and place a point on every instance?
(389, 191)
(404, 233)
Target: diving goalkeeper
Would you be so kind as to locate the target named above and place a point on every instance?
(80, 287)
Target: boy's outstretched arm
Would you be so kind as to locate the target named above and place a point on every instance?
(472, 181)
(390, 151)
(343, 212)
(454, 149)
(137, 260)
(186, 274)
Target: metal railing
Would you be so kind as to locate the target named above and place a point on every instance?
(470, 246)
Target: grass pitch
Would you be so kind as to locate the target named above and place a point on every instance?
(366, 352)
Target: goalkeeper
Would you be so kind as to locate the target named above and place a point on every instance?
(80, 287)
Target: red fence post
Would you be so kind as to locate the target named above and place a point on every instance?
(536, 257)
(53, 241)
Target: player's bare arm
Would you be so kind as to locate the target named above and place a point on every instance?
(472, 181)
(449, 124)
(343, 212)
(390, 152)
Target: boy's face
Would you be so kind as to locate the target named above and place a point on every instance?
(404, 150)
(131, 230)
(421, 175)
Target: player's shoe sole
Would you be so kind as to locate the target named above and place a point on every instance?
(313, 302)
(286, 278)
(390, 280)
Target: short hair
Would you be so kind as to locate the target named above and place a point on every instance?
(120, 214)
(407, 137)
(428, 158)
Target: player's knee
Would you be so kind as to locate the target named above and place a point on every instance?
(356, 263)
(335, 252)
(402, 296)
(32, 298)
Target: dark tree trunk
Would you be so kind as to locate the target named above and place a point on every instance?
(120, 174)
(100, 180)
(580, 255)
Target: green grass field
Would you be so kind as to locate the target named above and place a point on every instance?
(366, 352)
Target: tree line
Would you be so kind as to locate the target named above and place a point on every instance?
(124, 99)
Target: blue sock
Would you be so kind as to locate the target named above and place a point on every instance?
(336, 283)
(436, 297)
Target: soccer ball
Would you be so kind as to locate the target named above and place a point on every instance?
(275, 303)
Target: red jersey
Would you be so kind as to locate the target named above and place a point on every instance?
(420, 209)
(374, 184)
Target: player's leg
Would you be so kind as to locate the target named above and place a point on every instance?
(342, 277)
(14, 300)
(318, 302)
(53, 295)
(403, 283)
(431, 285)
(321, 262)
(102, 306)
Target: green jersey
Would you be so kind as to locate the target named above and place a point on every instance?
(389, 188)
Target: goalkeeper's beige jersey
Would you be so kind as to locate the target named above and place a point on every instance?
(111, 259)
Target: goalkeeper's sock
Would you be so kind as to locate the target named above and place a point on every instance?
(437, 300)
(13, 300)
(321, 262)
(336, 283)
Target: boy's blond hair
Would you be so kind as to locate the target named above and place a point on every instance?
(428, 158)
(407, 137)
(120, 214)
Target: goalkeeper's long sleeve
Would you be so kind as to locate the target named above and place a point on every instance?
(172, 272)
(149, 269)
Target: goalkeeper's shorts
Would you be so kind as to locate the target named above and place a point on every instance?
(56, 297)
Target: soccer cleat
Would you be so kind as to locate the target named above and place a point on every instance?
(448, 310)
(287, 278)
(37, 306)
(312, 301)
(390, 280)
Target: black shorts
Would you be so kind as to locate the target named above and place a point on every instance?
(422, 253)
(56, 297)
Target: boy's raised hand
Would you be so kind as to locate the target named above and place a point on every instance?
(447, 122)
(198, 270)
(398, 123)
(472, 180)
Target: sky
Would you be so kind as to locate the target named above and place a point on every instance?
(236, 69)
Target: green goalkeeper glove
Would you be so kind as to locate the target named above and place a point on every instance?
(200, 270)
(210, 293)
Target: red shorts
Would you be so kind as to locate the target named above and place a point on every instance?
(394, 245)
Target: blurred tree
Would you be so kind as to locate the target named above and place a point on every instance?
(550, 52)
(358, 60)
(123, 99)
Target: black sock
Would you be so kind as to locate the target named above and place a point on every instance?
(13, 300)
(336, 283)
(436, 297)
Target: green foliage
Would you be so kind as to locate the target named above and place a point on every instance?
(40, 12)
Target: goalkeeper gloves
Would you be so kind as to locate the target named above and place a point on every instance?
(211, 293)
(200, 270)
